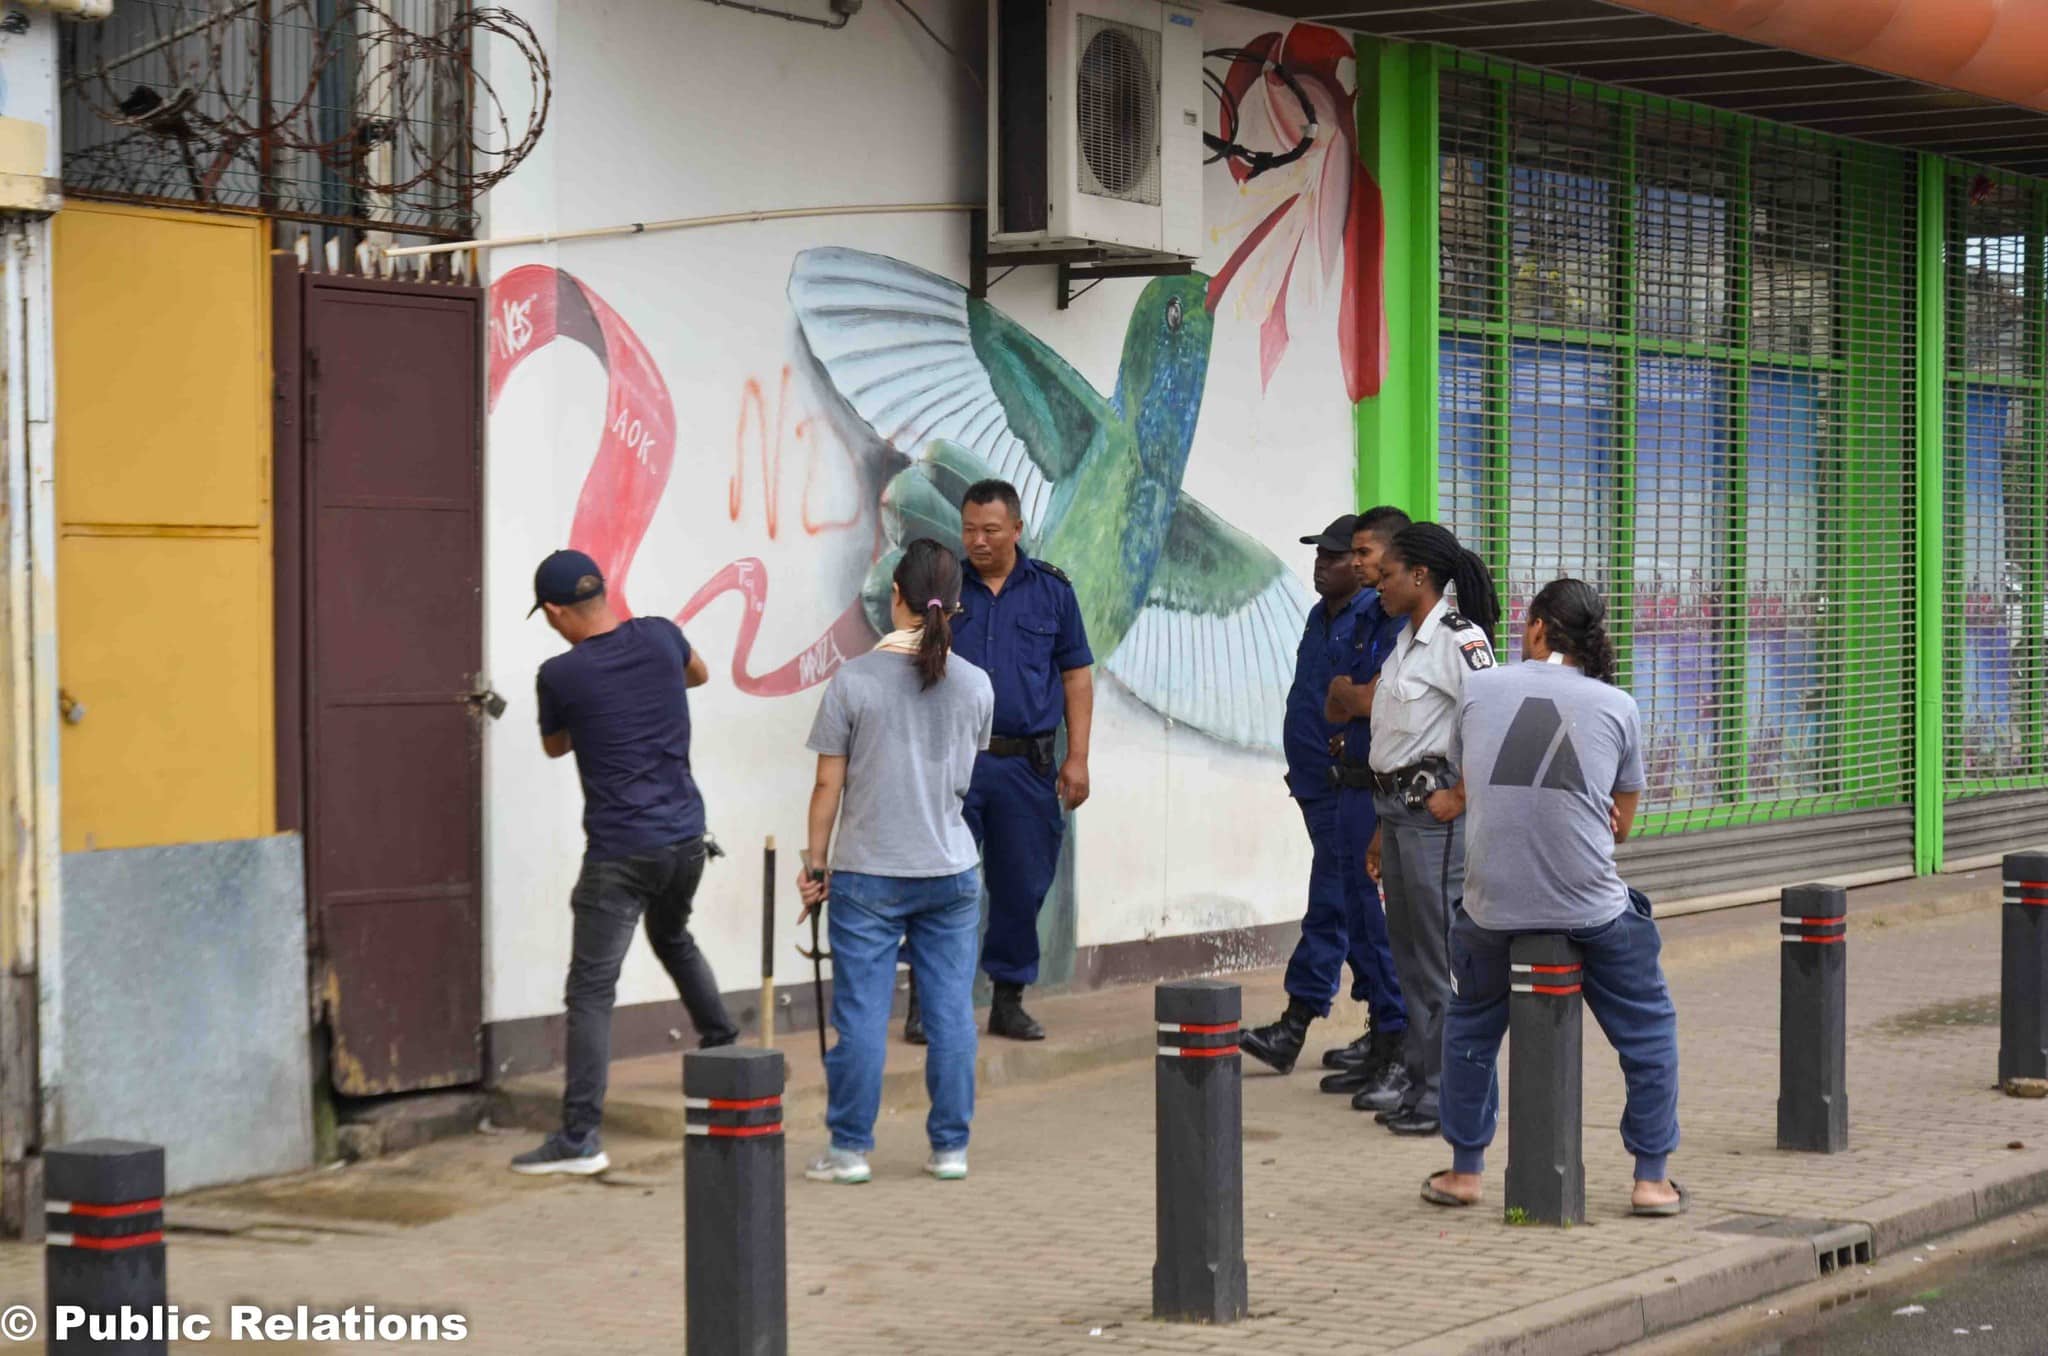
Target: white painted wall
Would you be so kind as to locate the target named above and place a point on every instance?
(669, 108)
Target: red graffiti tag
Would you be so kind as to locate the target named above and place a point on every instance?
(530, 308)
(768, 444)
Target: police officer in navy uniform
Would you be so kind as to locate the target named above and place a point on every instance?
(1334, 928)
(1020, 623)
(1370, 1070)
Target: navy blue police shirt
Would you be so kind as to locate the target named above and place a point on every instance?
(1325, 651)
(1023, 638)
(623, 698)
(1372, 640)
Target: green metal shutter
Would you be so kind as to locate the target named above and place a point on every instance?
(1676, 361)
(1995, 519)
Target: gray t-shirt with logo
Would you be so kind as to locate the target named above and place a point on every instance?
(1543, 751)
(909, 757)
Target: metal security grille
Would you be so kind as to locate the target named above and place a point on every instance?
(1676, 362)
(1996, 515)
(1117, 111)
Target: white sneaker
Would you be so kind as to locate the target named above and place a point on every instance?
(948, 1165)
(839, 1165)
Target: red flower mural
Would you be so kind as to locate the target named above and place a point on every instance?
(1324, 204)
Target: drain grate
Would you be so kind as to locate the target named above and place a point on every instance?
(1836, 1246)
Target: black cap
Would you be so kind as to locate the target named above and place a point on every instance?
(1335, 537)
(564, 578)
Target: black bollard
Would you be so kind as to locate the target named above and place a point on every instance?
(1199, 1276)
(1546, 1040)
(2023, 970)
(1813, 1019)
(735, 1264)
(104, 1244)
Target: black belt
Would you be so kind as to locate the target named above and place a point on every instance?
(1352, 776)
(1038, 748)
(1402, 780)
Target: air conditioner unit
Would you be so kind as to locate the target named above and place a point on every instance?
(1095, 129)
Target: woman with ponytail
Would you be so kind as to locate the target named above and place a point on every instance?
(1552, 756)
(896, 737)
(1418, 853)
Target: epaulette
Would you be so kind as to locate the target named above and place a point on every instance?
(1054, 570)
(1458, 621)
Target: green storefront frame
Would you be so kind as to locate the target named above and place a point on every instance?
(1898, 206)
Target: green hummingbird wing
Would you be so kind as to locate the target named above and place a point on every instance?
(918, 360)
(1214, 645)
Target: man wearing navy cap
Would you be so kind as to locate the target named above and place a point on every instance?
(617, 701)
(1331, 930)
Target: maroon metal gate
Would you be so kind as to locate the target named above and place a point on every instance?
(379, 501)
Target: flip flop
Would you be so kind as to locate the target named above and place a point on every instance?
(1666, 1210)
(1434, 1196)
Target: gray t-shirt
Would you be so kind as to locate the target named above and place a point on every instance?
(1543, 750)
(909, 757)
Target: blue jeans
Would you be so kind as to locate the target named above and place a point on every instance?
(941, 919)
(1625, 990)
(1344, 919)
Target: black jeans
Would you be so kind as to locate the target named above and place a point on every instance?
(610, 897)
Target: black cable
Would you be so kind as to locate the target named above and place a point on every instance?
(945, 46)
(1226, 147)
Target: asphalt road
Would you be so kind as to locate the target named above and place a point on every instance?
(1998, 1307)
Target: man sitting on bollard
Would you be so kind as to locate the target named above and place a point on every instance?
(1553, 764)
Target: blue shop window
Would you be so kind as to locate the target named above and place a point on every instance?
(1990, 741)
(1681, 576)
(1792, 624)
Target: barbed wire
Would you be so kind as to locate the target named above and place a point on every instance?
(387, 106)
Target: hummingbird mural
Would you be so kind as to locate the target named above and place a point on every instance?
(1198, 620)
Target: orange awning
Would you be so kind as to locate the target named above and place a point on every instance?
(1994, 48)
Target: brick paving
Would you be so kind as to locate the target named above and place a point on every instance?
(1048, 1247)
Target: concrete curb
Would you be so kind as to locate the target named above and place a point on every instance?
(1606, 1317)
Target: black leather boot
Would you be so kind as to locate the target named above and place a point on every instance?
(1279, 1044)
(1006, 1015)
(913, 1017)
(1349, 1056)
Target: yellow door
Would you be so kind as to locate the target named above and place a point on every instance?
(164, 622)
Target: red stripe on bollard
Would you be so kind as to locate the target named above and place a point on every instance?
(84, 1211)
(104, 1244)
(1206, 1028)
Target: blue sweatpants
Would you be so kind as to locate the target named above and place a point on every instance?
(1625, 991)
(1344, 919)
(1013, 810)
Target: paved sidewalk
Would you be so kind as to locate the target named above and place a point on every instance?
(1048, 1247)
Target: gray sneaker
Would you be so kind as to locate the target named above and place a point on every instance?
(839, 1165)
(948, 1165)
(558, 1155)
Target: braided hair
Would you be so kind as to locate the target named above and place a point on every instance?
(928, 577)
(1574, 618)
(1451, 567)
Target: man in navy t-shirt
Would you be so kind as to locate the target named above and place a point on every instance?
(617, 700)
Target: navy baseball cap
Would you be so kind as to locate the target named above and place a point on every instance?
(564, 578)
(1335, 537)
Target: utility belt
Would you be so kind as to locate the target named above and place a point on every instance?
(1414, 784)
(1344, 775)
(1037, 748)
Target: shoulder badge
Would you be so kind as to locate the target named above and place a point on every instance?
(1478, 654)
(1054, 570)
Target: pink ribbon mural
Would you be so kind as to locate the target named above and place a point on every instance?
(534, 305)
